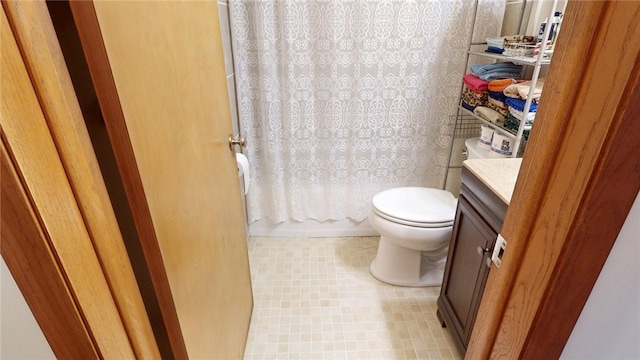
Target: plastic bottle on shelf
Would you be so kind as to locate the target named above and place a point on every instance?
(543, 25)
(555, 27)
(553, 33)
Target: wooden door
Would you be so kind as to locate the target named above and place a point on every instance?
(159, 74)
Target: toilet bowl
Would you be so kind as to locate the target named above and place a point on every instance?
(415, 226)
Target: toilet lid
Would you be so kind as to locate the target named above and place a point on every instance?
(416, 206)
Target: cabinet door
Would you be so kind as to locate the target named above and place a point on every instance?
(466, 271)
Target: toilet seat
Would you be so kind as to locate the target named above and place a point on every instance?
(416, 206)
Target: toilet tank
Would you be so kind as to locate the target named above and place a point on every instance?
(474, 152)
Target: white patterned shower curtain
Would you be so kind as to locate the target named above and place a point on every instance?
(342, 99)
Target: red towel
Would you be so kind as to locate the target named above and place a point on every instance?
(475, 83)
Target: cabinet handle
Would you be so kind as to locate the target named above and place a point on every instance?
(481, 250)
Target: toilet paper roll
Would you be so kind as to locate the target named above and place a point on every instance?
(502, 145)
(243, 171)
(486, 136)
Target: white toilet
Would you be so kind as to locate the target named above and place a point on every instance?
(474, 152)
(415, 225)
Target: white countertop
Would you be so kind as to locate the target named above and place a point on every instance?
(498, 174)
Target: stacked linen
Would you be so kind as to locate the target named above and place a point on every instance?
(497, 105)
(475, 83)
(514, 117)
(515, 100)
(474, 92)
(516, 95)
(520, 115)
(472, 99)
(497, 97)
(512, 123)
(495, 45)
(499, 70)
(518, 104)
(500, 84)
(521, 90)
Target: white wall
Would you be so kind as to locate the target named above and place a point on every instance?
(536, 11)
(609, 325)
(20, 335)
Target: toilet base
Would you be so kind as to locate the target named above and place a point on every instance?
(401, 266)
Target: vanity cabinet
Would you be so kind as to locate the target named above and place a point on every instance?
(479, 217)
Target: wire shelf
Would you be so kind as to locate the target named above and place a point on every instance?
(466, 126)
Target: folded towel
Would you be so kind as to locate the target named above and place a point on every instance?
(494, 104)
(496, 42)
(488, 114)
(498, 95)
(474, 98)
(497, 74)
(479, 69)
(495, 50)
(518, 104)
(467, 106)
(475, 83)
(520, 115)
(501, 84)
(521, 90)
(512, 123)
(495, 71)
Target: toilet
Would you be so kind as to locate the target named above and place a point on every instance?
(475, 152)
(415, 225)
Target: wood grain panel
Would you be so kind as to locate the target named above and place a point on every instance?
(592, 71)
(592, 236)
(24, 248)
(169, 79)
(31, 148)
(89, 31)
(41, 52)
(579, 26)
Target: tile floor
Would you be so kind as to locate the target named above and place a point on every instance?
(315, 299)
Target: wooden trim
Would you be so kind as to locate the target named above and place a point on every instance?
(24, 248)
(533, 301)
(30, 147)
(535, 170)
(601, 216)
(41, 52)
(95, 52)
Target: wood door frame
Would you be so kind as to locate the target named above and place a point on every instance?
(24, 242)
(559, 239)
(46, 240)
(43, 58)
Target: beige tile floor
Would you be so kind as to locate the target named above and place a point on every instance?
(315, 299)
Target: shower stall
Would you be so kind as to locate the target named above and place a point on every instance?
(340, 100)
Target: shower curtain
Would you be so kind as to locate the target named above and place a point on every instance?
(342, 99)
